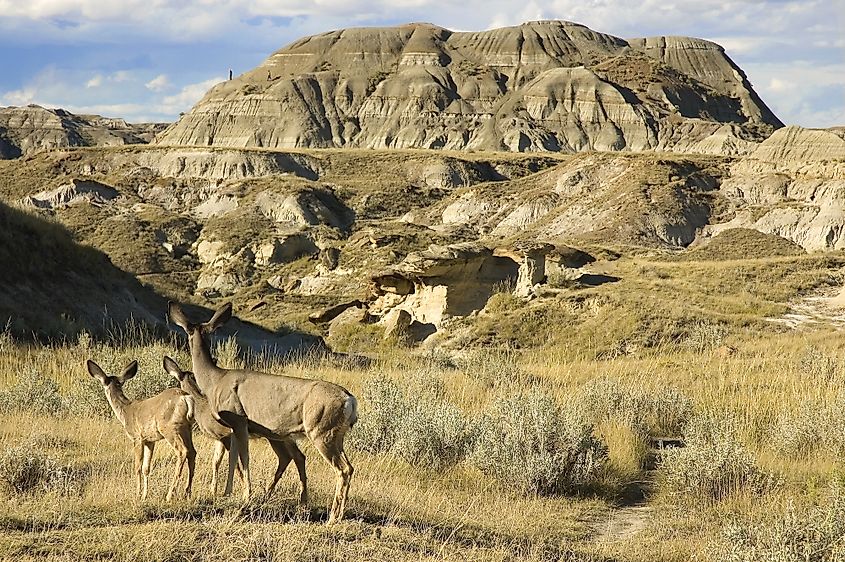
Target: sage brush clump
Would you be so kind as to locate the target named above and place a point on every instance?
(415, 423)
(33, 393)
(713, 464)
(530, 443)
(814, 425)
(815, 534)
(664, 411)
(27, 468)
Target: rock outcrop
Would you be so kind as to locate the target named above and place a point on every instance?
(25, 130)
(77, 191)
(793, 186)
(442, 282)
(540, 86)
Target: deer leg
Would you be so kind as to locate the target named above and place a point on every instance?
(219, 449)
(182, 452)
(188, 440)
(240, 440)
(233, 464)
(139, 462)
(145, 467)
(284, 460)
(183, 445)
(333, 453)
(299, 461)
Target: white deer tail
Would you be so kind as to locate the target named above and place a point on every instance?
(350, 410)
(189, 402)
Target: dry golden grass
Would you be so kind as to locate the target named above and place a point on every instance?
(400, 512)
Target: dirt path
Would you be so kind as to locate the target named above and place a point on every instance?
(824, 307)
(623, 523)
(631, 517)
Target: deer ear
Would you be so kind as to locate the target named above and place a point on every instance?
(172, 368)
(96, 372)
(129, 372)
(223, 315)
(177, 316)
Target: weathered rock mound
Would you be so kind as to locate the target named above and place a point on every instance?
(793, 186)
(25, 130)
(540, 86)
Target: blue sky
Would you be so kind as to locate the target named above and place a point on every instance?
(151, 59)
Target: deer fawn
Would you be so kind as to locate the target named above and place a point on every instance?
(222, 435)
(166, 415)
(273, 406)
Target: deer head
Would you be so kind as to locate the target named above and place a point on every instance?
(108, 381)
(199, 333)
(186, 379)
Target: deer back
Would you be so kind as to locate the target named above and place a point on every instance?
(283, 405)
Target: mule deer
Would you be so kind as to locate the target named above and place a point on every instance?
(166, 415)
(277, 407)
(222, 435)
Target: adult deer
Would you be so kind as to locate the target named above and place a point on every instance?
(277, 407)
(167, 415)
(222, 435)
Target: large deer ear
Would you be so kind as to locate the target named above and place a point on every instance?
(172, 368)
(223, 315)
(129, 372)
(191, 381)
(96, 372)
(177, 316)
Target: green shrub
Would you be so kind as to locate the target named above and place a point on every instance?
(713, 464)
(495, 368)
(530, 443)
(814, 425)
(703, 336)
(433, 434)
(34, 393)
(382, 403)
(818, 366)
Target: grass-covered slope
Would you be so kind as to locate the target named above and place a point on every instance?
(55, 287)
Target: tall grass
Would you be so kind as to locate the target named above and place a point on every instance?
(486, 448)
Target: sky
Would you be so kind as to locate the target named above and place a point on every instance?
(149, 60)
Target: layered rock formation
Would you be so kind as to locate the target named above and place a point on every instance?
(25, 130)
(792, 185)
(540, 86)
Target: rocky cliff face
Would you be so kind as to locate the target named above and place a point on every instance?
(540, 86)
(25, 130)
(792, 185)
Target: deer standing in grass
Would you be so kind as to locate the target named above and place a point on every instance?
(167, 415)
(277, 407)
(222, 435)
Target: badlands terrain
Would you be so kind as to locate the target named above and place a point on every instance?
(523, 249)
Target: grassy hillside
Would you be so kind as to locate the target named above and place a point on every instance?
(55, 287)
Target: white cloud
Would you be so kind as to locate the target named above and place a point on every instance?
(186, 98)
(159, 83)
(95, 82)
(121, 76)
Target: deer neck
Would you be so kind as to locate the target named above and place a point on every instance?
(118, 402)
(206, 371)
